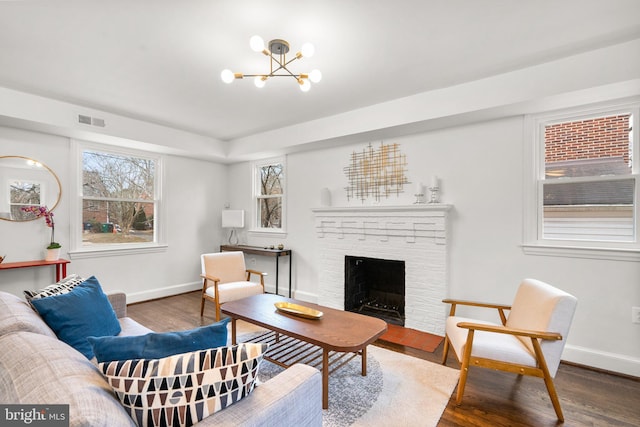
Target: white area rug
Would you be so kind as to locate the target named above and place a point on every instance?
(399, 390)
(415, 392)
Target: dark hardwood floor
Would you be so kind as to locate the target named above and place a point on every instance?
(588, 397)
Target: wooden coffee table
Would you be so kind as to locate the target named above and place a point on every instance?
(327, 343)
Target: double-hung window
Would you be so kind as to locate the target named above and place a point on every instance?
(582, 176)
(269, 195)
(119, 199)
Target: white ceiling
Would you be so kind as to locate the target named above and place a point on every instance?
(160, 60)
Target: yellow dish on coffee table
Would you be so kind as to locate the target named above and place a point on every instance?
(298, 310)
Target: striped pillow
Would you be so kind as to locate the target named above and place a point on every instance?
(184, 388)
(62, 287)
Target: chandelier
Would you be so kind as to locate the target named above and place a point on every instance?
(278, 64)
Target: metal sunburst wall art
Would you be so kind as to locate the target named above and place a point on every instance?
(376, 172)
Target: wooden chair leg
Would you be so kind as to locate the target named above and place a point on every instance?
(217, 311)
(548, 381)
(445, 350)
(204, 289)
(464, 369)
(554, 397)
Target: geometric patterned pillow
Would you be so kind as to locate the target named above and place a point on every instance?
(62, 287)
(182, 389)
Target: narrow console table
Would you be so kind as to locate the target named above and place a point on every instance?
(59, 264)
(258, 250)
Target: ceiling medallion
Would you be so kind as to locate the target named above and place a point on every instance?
(278, 64)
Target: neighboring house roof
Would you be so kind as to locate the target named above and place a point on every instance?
(613, 192)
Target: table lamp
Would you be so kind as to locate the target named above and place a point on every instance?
(233, 219)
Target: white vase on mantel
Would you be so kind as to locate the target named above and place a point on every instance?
(52, 254)
(325, 197)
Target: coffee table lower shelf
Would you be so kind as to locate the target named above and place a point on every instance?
(286, 351)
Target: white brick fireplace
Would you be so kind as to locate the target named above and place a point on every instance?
(415, 234)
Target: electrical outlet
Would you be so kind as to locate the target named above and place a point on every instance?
(635, 314)
(252, 261)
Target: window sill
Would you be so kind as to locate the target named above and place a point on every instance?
(267, 233)
(119, 251)
(612, 254)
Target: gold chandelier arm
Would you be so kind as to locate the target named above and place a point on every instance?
(296, 76)
(282, 66)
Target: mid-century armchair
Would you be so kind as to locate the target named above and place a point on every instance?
(225, 278)
(529, 341)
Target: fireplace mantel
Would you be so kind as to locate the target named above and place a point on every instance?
(409, 222)
(384, 208)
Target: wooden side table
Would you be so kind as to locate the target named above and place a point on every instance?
(60, 266)
(258, 250)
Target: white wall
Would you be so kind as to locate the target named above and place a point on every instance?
(195, 192)
(478, 159)
(480, 167)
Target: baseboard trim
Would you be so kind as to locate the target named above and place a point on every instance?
(607, 361)
(306, 296)
(163, 292)
(169, 291)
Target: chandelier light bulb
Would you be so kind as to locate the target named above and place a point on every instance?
(307, 50)
(260, 81)
(304, 85)
(315, 76)
(227, 76)
(256, 43)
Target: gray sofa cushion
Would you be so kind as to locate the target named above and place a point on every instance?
(17, 315)
(35, 369)
(129, 327)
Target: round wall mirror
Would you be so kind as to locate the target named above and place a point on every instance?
(26, 182)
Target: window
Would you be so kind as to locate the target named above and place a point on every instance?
(23, 193)
(585, 190)
(269, 195)
(119, 199)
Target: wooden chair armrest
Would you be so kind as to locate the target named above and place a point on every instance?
(476, 304)
(511, 331)
(260, 273)
(208, 277)
(500, 307)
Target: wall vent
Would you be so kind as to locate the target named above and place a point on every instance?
(93, 121)
(97, 122)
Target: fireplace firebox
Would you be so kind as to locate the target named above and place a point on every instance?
(375, 287)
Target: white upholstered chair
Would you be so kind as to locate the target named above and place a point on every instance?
(225, 278)
(527, 342)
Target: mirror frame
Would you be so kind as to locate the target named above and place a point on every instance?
(57, 180)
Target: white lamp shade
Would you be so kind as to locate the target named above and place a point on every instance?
(233, 218)
(315, 76)
(305, 85)
(307, 50)
(259, 81)
(256, 43)
(227, 76)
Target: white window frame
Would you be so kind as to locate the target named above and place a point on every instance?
(534, 162)
(78, 251)
(255, 228)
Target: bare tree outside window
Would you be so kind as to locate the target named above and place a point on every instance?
(118, 198)
(23, 194)
(269, 197)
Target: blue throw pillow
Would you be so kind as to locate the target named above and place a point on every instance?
(158, 345)
(81, 313)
